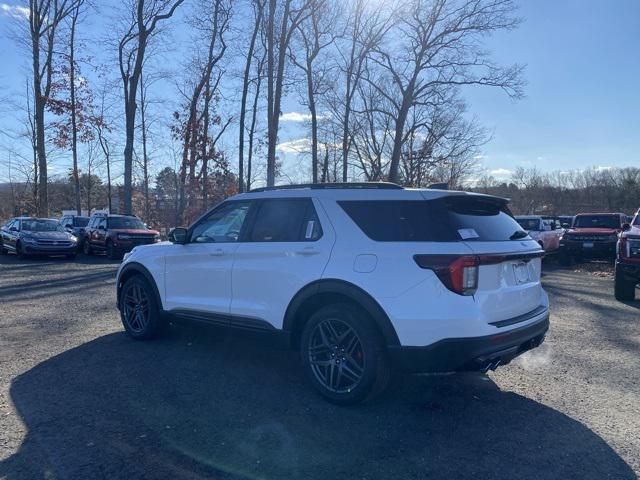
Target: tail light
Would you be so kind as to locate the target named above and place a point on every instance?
(623, 248)
(458, 273)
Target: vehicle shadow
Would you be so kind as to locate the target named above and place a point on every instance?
(203, 403)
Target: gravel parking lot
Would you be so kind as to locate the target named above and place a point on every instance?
(80, 400)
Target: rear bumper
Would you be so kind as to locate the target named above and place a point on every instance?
(599, 249)
(470, 354)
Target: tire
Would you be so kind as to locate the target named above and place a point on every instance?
(139, 309)
(112, 252)
(349, 370)
(20, 252)
(86, 248)
(624, 289)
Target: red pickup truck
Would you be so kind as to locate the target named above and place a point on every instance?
(627, 274)
(592, 235)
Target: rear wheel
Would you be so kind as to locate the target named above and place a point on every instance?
(343, 355)
(139, 309)
(624, 289)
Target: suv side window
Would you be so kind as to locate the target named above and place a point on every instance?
(223, 225)
(286, 220)
(102, 223)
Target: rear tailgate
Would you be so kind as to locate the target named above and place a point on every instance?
(508, 279)
(509, 260)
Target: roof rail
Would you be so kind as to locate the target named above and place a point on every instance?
(328, 186)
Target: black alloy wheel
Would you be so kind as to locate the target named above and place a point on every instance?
(139, 310)
(344, 355)
(336, 355)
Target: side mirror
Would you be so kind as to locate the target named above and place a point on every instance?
(178, 235)
(626, 227)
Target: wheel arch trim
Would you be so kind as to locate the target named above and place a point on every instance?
(346, 289)
(135, 268)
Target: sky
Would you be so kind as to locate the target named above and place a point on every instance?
(582, 98)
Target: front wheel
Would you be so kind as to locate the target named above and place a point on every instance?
(624, 290)
(139, 309)
(86, 248)
(112, 252)
(343, 355)
(20, 252)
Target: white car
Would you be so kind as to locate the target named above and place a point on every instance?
(545, 231)
(361, 278)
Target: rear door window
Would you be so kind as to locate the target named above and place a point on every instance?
(285, 220)
(447, 219)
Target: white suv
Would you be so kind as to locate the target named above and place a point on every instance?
(360, 278)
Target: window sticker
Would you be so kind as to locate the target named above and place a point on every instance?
(309, 233)
(467, 233)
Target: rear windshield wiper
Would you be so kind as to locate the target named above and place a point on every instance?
(518, 234)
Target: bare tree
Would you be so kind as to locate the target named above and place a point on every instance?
(283, 18)
(435, 48)
(202, 85)
(316, 33)
(45, 17)
(141, 24)
(258, 9)
(365, 29)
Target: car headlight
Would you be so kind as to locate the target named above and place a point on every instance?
(73, 239)
(156, 237)
(28, 239)
(124, 236)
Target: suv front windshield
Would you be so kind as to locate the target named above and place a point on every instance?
(41, 226)
(596, 221)
(126, 223)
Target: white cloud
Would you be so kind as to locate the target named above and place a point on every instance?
(501, 173)
(295, 117)
(603, 168)
(299, 145)
(14, 10)
(300, 117)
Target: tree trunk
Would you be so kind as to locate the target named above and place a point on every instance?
(74, 127)
(145, 159)
(271, 110)
(243, 102)
(314, 122)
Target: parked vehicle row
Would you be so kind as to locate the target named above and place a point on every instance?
(114, 235)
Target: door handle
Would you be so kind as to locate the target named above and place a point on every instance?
(308, 251)
(217, 253)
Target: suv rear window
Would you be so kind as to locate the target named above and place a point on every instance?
(447, 219)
